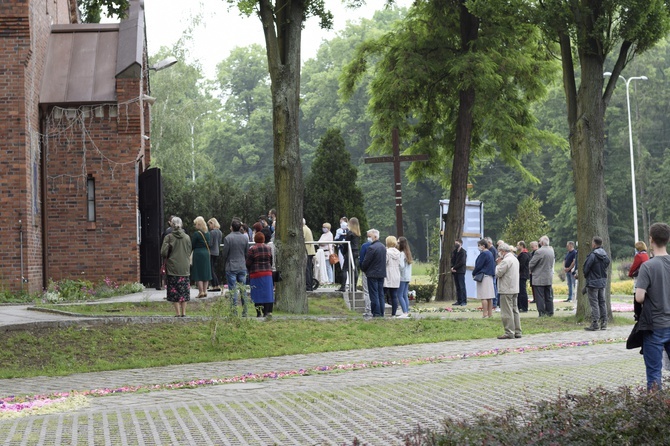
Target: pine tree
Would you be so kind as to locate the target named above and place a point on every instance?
(330, 190)
(528, 224)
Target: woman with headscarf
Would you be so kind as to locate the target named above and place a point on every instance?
(176, 250)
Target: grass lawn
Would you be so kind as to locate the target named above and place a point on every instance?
(56, 352)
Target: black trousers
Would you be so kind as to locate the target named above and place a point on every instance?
(215, 280)
(461, 292)
(544, 298)
(522, 299)
(309, 274)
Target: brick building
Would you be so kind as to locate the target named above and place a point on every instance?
(74, 147)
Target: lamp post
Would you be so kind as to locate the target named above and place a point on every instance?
(427, 240)
(632, 160)
(193, 143)
(193, 140)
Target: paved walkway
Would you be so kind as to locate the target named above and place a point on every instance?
(375, 405)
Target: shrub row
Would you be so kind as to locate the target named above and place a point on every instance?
(599, 417)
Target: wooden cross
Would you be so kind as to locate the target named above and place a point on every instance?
(396, 159)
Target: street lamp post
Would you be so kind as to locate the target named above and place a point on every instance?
(632, 160)
(427, 239)
(193, 142)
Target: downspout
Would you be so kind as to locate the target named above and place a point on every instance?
(43, 186)
(23, 277)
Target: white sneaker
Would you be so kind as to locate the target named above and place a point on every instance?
(498, 310)
(403, 316)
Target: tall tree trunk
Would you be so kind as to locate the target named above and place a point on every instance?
(453, 227)
(283, 49)
(587, 144)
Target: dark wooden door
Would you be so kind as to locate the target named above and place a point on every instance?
(151, 221)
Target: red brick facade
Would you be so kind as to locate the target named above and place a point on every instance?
(47, 154)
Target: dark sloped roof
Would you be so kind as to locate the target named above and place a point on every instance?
(81, 65)
(84, 60)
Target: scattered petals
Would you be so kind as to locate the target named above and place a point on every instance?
(63, 400)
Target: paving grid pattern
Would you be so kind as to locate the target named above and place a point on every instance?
(373, 405)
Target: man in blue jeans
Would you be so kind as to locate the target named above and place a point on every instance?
(234, 254)
(374, 267)
(652, 291)
(569, 269)
(595, 275)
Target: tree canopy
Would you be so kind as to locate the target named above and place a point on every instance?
(457, 78)
(587, 33)
(91, 10)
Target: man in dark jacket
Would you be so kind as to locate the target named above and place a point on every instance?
(459, 257)
(595, 274)
(524, 273)
(374, 267)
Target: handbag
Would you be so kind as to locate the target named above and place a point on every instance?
(276, 276)
(333, 258)
(635, 337)
(478, 277)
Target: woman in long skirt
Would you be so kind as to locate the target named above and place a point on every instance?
(259, 265)
(486, 265)
(176, 250)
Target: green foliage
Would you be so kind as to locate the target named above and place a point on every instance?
(224, 317)
(424, 293)
(593, 418)
(74, 290)
(91, 10)
(420, 63)
(330, 188)
(204, 197)
(50, 351)
(241, 144)
(528, 224)
(8, 296)
(71, 290)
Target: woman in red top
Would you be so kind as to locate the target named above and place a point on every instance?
(259, 265)
(639, 259)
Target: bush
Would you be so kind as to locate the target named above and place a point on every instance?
(600, 417)
(69, 290)
(625, 287)
(423, 292)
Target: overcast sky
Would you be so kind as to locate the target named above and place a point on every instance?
(224, 30)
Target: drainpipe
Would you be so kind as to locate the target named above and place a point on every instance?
(23, 277)
(43, 209)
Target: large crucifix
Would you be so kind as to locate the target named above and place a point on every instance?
(396, 159)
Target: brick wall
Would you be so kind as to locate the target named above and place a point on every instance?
(107, 152)
(107, 247)
(24, 30)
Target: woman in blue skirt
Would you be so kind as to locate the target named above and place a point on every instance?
(259, 265)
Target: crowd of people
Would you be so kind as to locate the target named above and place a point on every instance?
(385, 275)
(502, 273)
(245, 253)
